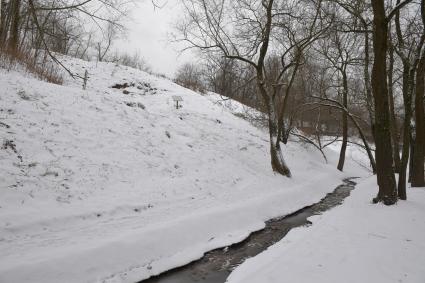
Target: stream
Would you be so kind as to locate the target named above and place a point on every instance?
(216, 265)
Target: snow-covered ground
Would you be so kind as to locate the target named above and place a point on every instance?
(356, 242)
(116, 185)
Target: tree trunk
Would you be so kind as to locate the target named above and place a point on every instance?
(418, 178)
(412, 146)
(369, 99)
(2, 22)
(365, 143)
(366, 75)
(394, 131)
(7, 10)
(384, 161)
(406, 132)
(277, 161)
(344, 123)
(14, 29)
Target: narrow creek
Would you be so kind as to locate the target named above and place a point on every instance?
(216, 265)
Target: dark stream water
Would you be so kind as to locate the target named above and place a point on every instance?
(216, 265)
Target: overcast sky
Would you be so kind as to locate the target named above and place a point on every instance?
(147, 33)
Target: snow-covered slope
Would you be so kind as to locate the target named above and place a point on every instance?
(116, 185)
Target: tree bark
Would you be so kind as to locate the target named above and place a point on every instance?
(2, 21)
(7, 10)
(344, 122)
(412, 145)
(394, 130)
(418, 178)
(14, 29)
(407, 82)
(368, 87)
(385, 173)
(277, 161)
(417, 170)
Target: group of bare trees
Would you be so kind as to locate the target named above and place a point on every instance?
(190, 76)
(345, 67)
(84, 29)
(357, 64)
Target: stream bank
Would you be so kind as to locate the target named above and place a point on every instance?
(215, 266)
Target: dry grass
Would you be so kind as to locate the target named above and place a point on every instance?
(41, 67)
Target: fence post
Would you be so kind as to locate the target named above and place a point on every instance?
(86, 77)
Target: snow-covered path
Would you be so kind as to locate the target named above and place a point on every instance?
(355, 242)
(117, 187)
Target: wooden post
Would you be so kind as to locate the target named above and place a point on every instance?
(86, 77)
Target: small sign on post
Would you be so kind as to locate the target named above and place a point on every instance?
(177, 99)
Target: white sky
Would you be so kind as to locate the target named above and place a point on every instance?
(147, 33)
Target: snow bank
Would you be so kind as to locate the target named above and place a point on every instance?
(113, 184)
(355, 242)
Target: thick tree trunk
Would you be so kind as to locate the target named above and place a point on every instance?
(344, 123)
(277, 161)
(418, 178)
(406, 131)
(384, 161)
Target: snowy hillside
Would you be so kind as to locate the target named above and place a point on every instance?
(116, 185)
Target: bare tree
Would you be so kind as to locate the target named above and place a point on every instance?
(341, 51)
(232, 79)
(385, 172)
(51, 27)
(247, 31)
(408, 48)
(108, 36)
(134, 60)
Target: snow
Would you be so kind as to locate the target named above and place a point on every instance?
(356, 242)
(116, 187)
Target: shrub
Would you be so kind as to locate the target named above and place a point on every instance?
(40, 66)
